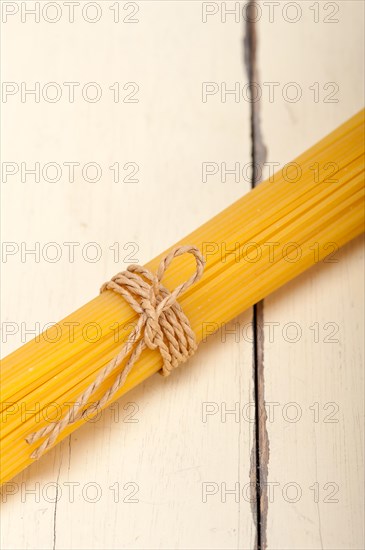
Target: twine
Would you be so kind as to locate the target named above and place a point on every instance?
(162, 325)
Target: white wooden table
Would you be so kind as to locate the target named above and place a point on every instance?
(141, 95)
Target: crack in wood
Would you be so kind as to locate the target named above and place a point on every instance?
(260, 449)
(56, 501)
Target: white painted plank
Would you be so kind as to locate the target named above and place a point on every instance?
(169, 453)
(319, 377)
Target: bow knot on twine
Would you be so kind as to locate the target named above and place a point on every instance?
(161, 325)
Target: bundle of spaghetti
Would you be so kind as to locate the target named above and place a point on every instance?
(265, 239)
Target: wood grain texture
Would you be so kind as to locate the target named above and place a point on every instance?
(313, 356)
(153, 447)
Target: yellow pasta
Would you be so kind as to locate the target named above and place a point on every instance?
(263, 240)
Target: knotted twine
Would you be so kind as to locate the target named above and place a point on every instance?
(161, 325)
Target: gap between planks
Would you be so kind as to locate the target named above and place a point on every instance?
(260, 447)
